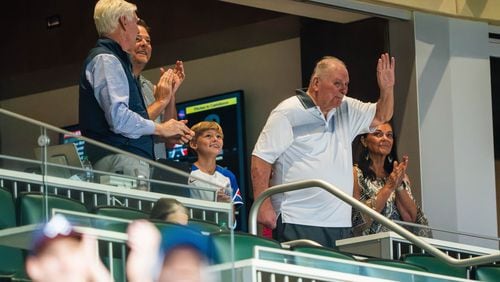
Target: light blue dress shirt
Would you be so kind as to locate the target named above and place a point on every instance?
(107, 77)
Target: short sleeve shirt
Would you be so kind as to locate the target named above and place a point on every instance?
(148, 93)
(221, 178)
(302, 144)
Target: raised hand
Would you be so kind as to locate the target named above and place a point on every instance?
(144, 242)
(163, 91)
(95, 268)
(179, 75)
(385, 71)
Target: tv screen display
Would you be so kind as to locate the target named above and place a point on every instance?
(227, 110)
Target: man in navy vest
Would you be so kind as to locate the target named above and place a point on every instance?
(111, 106)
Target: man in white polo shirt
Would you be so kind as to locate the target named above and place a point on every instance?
(308, 136)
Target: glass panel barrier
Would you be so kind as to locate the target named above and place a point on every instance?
(44, 167)
(347, 266)
(434, 232)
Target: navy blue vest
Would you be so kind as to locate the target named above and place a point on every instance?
(92, 120)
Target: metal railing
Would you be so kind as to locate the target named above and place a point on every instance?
(110, 195)
(252, 225)
(40, 182)
(107, 147)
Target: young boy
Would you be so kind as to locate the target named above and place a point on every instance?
(207, 143)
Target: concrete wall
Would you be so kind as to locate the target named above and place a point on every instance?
(405, 115)
(455, 124)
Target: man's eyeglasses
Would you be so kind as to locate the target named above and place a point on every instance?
(140, 38)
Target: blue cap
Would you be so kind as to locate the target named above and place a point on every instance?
(58, 226)
(179, 235)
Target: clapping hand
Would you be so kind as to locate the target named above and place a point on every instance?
(175, 130)
(179, 75)
(398, 173)
(163, 91)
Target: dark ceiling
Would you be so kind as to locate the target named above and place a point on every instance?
(38, 59)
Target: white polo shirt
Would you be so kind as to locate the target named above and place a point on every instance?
(301, 144)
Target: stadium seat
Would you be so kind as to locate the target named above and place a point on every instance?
(324, 264)
(31, 211)
(396, 263)
(489, 272)
(243, 245)
(118, 212)
(434, 265)
(7, 210)
(205, 226)
(11, 259)
(323, 251)
(389, 274)
(121, 212)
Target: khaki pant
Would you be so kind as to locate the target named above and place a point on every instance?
(121, 164)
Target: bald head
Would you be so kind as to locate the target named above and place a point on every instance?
(325, 65)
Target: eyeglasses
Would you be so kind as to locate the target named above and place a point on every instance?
(140, 38)
(380, 134)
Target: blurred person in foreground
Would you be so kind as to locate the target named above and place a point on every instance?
(309, 136)
(178, 253)
(111, 106)
(58, 253)
(381, 182)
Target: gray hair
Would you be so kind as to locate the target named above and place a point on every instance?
(107, 14)
(325, 64)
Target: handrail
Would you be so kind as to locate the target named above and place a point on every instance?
(363, 208)
(105, 146)
(300, 242)
(468, 234)
(100, 172)
(112, 190)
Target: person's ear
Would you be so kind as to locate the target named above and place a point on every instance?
(123, 22)
(363, 141)
(315, 82)
(193, 144)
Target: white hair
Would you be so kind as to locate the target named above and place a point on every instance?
(325, 64)
(108, 12)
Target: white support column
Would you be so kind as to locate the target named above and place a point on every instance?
(456, 127)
